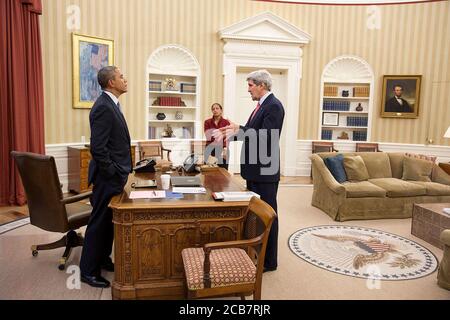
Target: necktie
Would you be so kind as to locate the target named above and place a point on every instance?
(255, 111)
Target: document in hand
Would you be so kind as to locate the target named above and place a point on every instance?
(235, 196)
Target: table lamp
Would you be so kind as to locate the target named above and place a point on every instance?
(447, 135)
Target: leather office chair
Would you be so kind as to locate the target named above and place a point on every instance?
(225, 268)
(47, 207)
(367, 147)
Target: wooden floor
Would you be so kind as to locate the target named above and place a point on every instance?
(10, 214)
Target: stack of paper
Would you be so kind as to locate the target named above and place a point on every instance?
(235, 196)
(192, 190)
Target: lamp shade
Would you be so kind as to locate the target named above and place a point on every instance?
(447, 133)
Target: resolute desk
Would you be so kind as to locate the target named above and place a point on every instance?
(149, 235)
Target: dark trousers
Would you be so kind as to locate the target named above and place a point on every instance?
(268, 192)
(99, 235)
(212, 150)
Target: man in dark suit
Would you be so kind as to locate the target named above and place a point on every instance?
(108, 171)
(397, 103)
(260, 156)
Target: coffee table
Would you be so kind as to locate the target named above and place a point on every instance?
(428, 221)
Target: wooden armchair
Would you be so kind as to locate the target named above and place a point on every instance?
(367, 147)
(151, 149)
(225, 268)
(323, 146)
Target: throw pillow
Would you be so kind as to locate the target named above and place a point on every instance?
(336, 167)
(421, 156)
(417, 169)
(355, 168)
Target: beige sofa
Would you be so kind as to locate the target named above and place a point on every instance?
(384, 195)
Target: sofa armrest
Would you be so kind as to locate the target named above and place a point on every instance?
(439, 175)
(445, 237)
(320, 167)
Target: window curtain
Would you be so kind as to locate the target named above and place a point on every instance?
(21, 91)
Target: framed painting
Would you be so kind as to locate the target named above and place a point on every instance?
(401, 96)
(90, 54)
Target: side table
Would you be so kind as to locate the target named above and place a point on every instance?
(428, 221)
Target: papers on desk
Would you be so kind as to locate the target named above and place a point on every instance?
(189, 190)
(235, 196)
(147, 194)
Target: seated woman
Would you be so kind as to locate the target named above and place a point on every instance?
(214, 148)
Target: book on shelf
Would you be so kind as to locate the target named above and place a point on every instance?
(330, 91)
(327, 134)
(359, 136)
(188, 132)
(188, 87)
(357, 121)
(361, 92)
(154, 85)
(151, 132)
(336, 105)
(234, 195)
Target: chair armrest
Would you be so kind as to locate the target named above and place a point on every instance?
(207, 248)
(327, 177)
(76, 198)
(168, 152)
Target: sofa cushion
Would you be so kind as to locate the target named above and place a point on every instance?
(355, 168)
(396, 160)
(377, 164)
(433, 188)
(399, 188)
(336, 167)
(417, 169)
(421, 156)
(363, 189)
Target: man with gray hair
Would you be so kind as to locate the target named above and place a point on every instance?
(260, 156)
(108, 171)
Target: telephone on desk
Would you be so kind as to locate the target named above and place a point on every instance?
(145, 165)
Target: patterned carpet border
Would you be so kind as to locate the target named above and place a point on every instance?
(362, 252)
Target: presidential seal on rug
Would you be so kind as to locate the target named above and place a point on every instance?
(362, 252)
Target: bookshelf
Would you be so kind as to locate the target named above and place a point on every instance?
(173, 94)
(346, 100)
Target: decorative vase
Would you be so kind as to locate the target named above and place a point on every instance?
(179, 115)
(345, 93)
(160, 116)
(359, 107)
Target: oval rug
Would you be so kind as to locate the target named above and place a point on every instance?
(362, 252)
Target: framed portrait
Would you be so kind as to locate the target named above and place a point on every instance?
(330, 119)
(90, 54)
(401, 96)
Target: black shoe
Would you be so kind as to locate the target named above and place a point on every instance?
(95, 281)
(108, 266)
(267, 269)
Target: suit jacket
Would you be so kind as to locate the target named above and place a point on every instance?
(270, 116)
(392, 105)
(110, 142)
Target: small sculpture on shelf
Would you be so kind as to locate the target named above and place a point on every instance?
(359, 107)
(343, 136)
(345, 93)
(179, 115)
(170, 84)
(168, 132)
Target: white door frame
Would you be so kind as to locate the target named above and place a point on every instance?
(267, 41)
(291, 106)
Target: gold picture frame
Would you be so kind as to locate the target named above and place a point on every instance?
(401, 96)
(89, 55)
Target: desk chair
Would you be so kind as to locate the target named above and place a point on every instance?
(154, 149)
(367, 147)
(231, 268)
(48, 209)
(198, 148)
